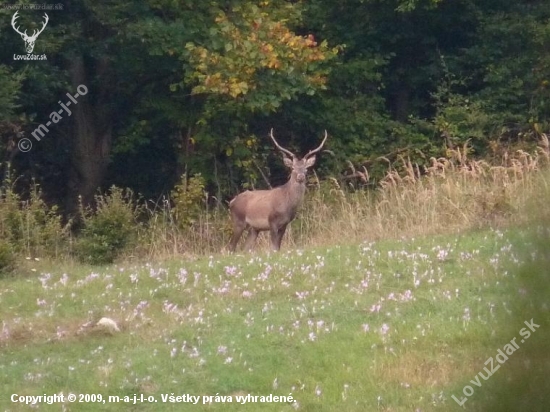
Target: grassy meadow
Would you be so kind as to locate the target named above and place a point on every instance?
(392, 301)
(391, 325)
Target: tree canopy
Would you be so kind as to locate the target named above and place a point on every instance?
(189, 87)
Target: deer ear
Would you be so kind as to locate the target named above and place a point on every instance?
(288, 162)
(310, 161)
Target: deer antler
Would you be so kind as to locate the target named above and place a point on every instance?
(15, 17)
(37, 32)
(282, 149)
(312, 152)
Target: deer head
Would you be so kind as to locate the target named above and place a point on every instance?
(273, 209)
(29, 40)
(298, 166)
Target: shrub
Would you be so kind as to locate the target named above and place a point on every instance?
(109, 229)
(31, 227)
(189, 200)
(7, 258)
(183, 223)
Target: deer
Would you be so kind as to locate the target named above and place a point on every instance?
(272, 210)
(29, 40)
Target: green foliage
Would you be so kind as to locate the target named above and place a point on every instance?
(10, 125)
(410, 5)
(30, 226)
(193, 82)
(7, 258)
(459, 118)
(254, 57)
(506, 74)
(10, 84)
(189, 200)
(109, 229)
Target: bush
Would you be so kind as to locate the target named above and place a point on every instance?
(31, 227)
(109, 229)
(189, 200)
(7, 258)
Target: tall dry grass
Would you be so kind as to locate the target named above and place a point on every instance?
(451, 194)
(448, 195)
(165, 237)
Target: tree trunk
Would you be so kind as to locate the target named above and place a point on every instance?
(90, 145)
(401, 104)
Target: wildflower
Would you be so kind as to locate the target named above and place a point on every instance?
(64, 279)
(230, 270)
(375, 308)
(182, 276)
(442, 254)
(318, 391)
(466, 316)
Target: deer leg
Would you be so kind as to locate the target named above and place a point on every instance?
(238, 229)
(251, 239)
(274, 233)
(280, 235)
(277, 236)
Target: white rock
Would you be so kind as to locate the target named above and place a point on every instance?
(108, 323)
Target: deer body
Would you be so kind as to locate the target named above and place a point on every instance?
(271, 210)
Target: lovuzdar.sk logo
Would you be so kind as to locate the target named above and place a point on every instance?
(29, 40)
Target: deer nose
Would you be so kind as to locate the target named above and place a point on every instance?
(300, 177)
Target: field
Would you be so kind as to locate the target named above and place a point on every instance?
(414, 274)
(429, 294)
(384, 326)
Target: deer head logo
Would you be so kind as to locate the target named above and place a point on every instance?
(29, 40)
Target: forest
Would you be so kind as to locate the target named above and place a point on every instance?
(174, 100)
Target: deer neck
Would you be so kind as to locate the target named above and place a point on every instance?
(294, 191)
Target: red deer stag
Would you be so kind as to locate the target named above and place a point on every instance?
(273, 210)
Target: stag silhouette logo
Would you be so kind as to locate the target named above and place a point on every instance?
(29, 40)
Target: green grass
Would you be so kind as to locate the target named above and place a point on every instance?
(389, 326)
